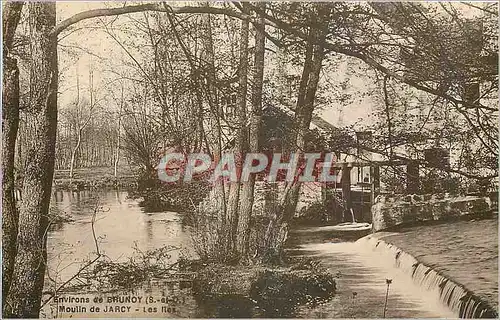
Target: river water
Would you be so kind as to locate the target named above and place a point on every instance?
(464, 251)
(122, 229)
(361, 276)
(120, 225)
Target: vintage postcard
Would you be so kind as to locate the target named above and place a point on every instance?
(269, 159)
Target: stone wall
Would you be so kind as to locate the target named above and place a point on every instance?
(390, 211)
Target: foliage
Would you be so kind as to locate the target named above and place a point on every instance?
(277, 133)
(279, 293)
(316, 213)
(210, 236)
(439, 182)
(137, 269)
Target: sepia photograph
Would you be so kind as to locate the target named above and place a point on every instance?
(267, 159)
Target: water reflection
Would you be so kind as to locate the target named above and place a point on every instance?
(120, 226)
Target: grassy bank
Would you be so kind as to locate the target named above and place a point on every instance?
(97, 177)
(156, 196)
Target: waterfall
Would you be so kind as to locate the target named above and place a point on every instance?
(462, 302)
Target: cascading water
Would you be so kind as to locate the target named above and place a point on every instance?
(462, 302)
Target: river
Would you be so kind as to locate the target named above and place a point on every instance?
(122, 228)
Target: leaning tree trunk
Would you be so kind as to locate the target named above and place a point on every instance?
(74, 153)
(247, 189)
(10, 125)
(277, 231)
(25, 293)
(212, 97)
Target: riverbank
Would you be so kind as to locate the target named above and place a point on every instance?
(260, 290)
(95, 178)
(217, 291)
(151, 194)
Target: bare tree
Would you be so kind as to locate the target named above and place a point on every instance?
(118, 138)
(81, 118)
(241, 134)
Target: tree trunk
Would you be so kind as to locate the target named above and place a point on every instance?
(117, 158)
(10, 125)
(23, 299)
(387, 110)
(240, 138)
(78, 130)
(247, 189)
(216, 110)
(74, 153)
(278, 226)
(346, 193)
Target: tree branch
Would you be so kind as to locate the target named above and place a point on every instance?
(495, 13)
(368, 60)
(141, 8)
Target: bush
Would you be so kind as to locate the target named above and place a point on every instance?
(141, 267)
(159, 196)
(278, 293)
(321, 212)
(262, 291)
(316, 213)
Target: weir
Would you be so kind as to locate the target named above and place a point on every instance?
(462, 302)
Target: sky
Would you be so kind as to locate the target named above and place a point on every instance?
(79, 51)
(98, 53)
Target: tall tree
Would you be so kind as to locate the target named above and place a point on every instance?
(80, 119)
(247, 189)
(118, 138)
(315, 52)
(24, 296)
(10, 123)
(241, 134)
